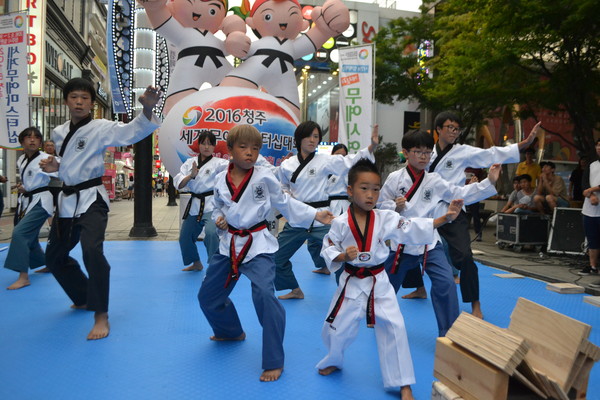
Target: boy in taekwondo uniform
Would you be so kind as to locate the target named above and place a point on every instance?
(82, 209)
(305, 177)
(449, 160)
(243, 197)
(356, 243)
(413, 192)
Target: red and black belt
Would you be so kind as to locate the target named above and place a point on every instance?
(360, 273)
(238, 259)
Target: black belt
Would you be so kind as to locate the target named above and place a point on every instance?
(338, 197)
(273, 55)
(315, 204)
(28, 195)
(203, 52)
(202, 197)
(360, 273)
(75, 190)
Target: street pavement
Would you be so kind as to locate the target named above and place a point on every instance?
(543, 266)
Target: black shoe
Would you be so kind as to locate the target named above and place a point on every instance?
(589, 270)
(595, 284)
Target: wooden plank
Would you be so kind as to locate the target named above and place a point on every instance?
(555, 339)
(590, 349)
(527, 376)
(468, 375)
(593, 300)
(498, 346)
(509, 276)
(581, 381)
(565, 288)
(439, 391)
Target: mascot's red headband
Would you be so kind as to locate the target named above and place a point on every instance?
(259, 3)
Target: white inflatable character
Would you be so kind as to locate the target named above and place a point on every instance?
(190, 26)
(270, 60)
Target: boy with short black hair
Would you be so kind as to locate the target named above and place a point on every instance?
(35, 205)
(356, 243)
(198, 174)
(82, 209)
(414, 192)
(243, 197)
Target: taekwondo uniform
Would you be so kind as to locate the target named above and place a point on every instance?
(270, 64)
(198, 213)
(247, 248)
(365, 289)
(33, 209)
(200, 57)
(337, 189)
(450, 164)
(306, 180)
(82, 210)
(423, 192)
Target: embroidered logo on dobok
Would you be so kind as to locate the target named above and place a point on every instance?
(312, 172)
(449, 164)
(81, 143)
(259, 192)
(427, 194)
(403, 224)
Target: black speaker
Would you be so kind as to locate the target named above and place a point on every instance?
(566, 232)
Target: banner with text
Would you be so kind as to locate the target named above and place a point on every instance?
(14, 100)
(356, 96)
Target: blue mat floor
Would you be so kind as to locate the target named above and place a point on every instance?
(158, 347)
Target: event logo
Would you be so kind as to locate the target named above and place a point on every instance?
(363, 54)
(192, 116)
(19, 21)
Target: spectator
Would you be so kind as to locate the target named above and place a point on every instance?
(591, 215)
(551, 191)
(523, 199)
(576, 179)
(512, 198)
(529, 167)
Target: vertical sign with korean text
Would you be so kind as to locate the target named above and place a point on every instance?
(36, 21)
(14, 105)
(356, 96)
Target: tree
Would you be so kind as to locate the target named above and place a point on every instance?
(494, 53)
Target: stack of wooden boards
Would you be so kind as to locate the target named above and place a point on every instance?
(542, 354)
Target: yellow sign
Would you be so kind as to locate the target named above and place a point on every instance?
(36, 10)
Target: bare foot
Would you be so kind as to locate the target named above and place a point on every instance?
(406, 393)
(419, 293)
(196, 266)
(44, 270)
(476, 309)
(101, 327)
(79, 307)
(226, 339)
(21, 282)
(270, 375)
(294, 294)
(457, 279)
(323, 271)
(328, 370)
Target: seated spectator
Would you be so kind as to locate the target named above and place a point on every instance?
(513, 196)
(551, 191)
(523, 200)
(529, 167)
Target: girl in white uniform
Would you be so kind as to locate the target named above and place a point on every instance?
(35, 205)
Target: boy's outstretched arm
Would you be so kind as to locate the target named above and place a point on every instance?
(350, 254)
(374, 138)
(149, 99)
(529, 139)
(324, 216)
(494, 173)
(453, 210)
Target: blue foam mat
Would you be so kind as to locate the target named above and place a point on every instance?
(158, 347)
